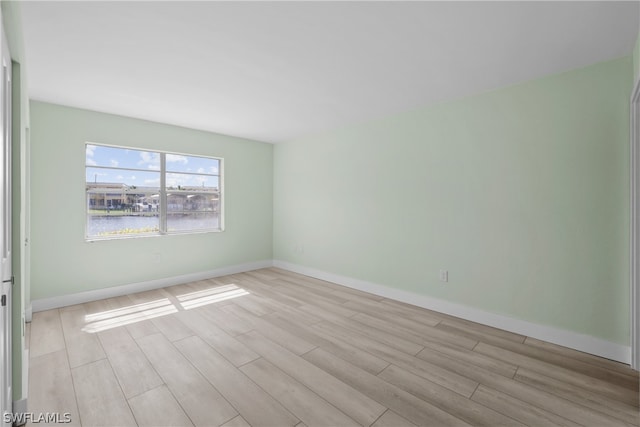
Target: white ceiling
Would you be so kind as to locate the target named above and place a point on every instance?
(279, 71)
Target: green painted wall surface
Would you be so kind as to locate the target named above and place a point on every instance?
(636, 59)
(520, 193)
(63, 263)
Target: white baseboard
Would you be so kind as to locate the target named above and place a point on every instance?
(116, 291)
(563, 337)
(575, 340)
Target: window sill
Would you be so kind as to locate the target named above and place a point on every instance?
(145, 236)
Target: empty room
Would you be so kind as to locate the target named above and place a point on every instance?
(320, 213)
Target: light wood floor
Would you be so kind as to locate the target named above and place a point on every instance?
(274, 348)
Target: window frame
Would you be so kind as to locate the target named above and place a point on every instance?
(163, 206)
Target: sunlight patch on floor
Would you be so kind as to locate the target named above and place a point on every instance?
(109, 319)
(212, 298)
(142, 313)
(207, 292)
(130, 309)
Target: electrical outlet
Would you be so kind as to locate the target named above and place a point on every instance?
(299, 249)
(444, 275)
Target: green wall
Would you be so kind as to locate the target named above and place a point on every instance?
(63, 263)
(520, 193)
(636, 58)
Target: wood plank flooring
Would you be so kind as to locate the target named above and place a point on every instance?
(274, 348)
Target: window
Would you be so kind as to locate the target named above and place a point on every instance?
(133, 192)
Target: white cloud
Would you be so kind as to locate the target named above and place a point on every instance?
(89, 153)
(119, 177)
(154, 167)
(176, 158)
(176, 179)
(114, 163)
(214, 170)
(155, 181)
(200, 170)
(149, 158)
(132, 177)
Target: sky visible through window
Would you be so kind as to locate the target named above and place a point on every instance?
(146, 165)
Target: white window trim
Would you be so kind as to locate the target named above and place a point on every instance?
(162, 220)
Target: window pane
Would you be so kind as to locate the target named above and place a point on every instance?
(139, 179)
(121, 202)
(192, 164)
(193, 221)
(130, 212)
(184, 181)
(117, 223)
(183, 201)
(97, 155)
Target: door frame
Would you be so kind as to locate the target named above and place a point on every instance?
(6, 273)
(634, 247)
